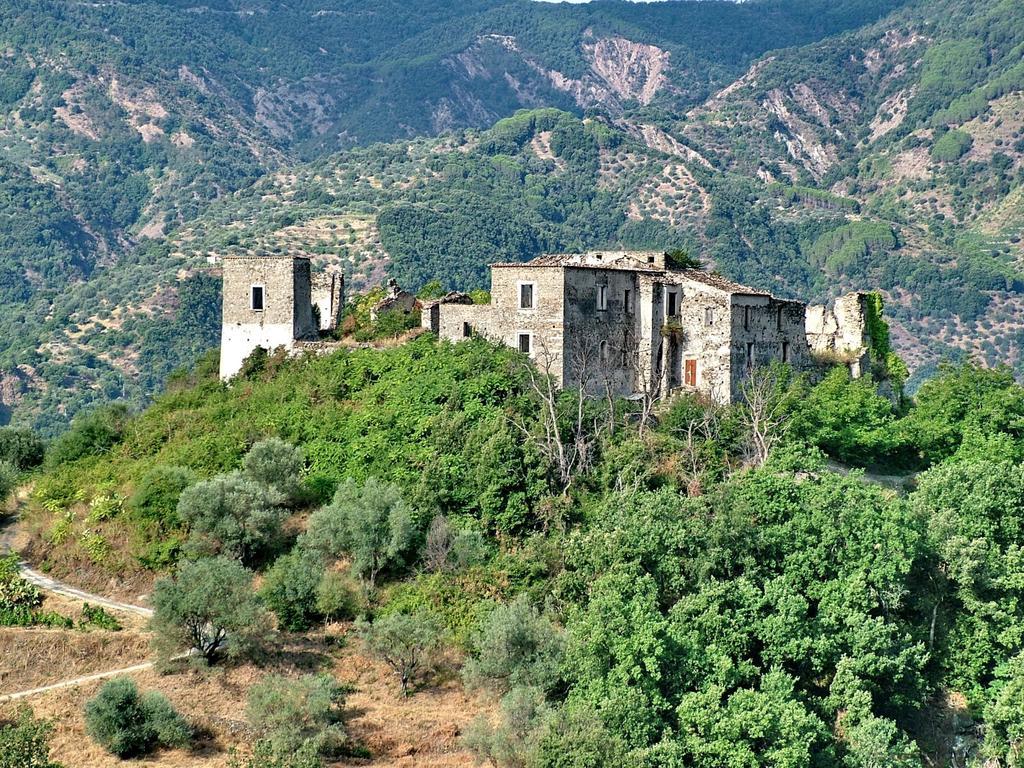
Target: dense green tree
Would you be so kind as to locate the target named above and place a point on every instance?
(517, 647)
(208, 607)
(370, 522)
(277, 464)
(290, 589)
(21, 447)
(232, 515)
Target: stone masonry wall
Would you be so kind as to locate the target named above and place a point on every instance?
(840, 333)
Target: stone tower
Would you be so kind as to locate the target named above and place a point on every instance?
(267, 303)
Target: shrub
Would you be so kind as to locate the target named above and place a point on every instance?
(298, 715)
(8, 481)
(339, 597)
(447, 550)
(516, 647)
(129, 725)
(21, 447)
(25, 743)
(276, 464)
(405, 642)
(290, 589)
(263, 756)
(19, 599)
(90, 434)
(371, 522)
(952, 146)
(514, 741)
(232, 515)
(156, 496)
(208, 606)
(96, 616)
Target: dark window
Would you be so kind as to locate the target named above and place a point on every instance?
(526, 296)
(746, 318)
(709, 316)
(257, 298)
(602, 297)
(750, 355)
(673, 304)
(785, 351)
(467, 330)
(604, 351)
(778, 319)
(525, 343)
(627, 301)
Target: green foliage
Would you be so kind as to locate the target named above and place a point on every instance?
(517, 647)
(298, 716)
(156, 495)
(233, 515)
(291, 589)
(515, 741)
(19, 599)
(96, 616)
(406, 642)
(276, 464)
(8, 480)
(21, 448)
(25, 742)
(850, 421)
(370, 522)
(90, 434)
(339, 597)
(1004, 718)
(208, 607)
(952, 146)
(129, 725)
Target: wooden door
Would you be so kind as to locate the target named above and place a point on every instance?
(690, 374)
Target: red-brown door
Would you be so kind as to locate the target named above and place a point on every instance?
(690, 373)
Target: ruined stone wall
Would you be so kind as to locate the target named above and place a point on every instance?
(328, 296)
(601, 344)
(772, 323)
(287, 312)
(706, 343)
(839, 333)
(544, 322)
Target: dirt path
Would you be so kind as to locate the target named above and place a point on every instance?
(75, 681)
(60, 588)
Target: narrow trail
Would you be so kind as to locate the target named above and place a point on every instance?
(49, 584)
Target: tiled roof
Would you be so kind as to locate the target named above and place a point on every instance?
(714, 280)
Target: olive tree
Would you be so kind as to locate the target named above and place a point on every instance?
(208, 607)
(405, 642)
(232, 515)
(371, 522)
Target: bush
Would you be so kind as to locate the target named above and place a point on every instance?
(8, 481)
(21, 447)
(208, 606)
(952, 146)
(405, 642)
(129, 725)
(157, 494)
(25, 743)
(290, 589)
(298, 715)
(371, 522)
(19, 599)
(514, 742)
(517, 647)
(339, 597)
(90, 434)
(96, 616)
(276, 464)
(232, 515)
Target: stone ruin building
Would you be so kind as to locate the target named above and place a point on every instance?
(628, 323)
(274, 301)
(624, 323)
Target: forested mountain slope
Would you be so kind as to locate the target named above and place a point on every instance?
(885, 155)
(119, 122)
